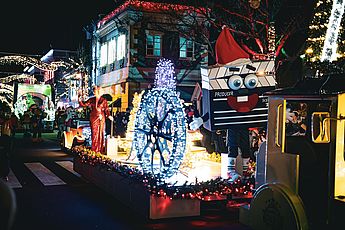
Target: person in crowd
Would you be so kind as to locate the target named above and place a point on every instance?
(37, 125)
(26, 123)
(119, 126)
(190, 114)
(68, 119)
(99, 112)
(5, 145)
(60, 120)
(13, 124)
(125, 120)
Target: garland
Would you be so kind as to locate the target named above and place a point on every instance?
(157, 187)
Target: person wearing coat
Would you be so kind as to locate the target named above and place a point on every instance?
(99, 113)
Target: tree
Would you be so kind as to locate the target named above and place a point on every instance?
(322, 53)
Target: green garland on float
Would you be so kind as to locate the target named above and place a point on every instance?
(157, 187)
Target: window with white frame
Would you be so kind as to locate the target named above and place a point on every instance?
(121, 47)
(111, 51)
(186, 48)
(104, 54)
(153, 45)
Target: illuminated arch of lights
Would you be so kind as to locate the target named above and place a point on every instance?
(6, 88)
(6, 94)
(159, 139)
(24, 60)
(18, 77)
(3, 99)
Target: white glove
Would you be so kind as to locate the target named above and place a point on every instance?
(196, 123)
(111, 118)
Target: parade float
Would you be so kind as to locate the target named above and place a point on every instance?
(7, 89)
(36, 95)
(164, 174)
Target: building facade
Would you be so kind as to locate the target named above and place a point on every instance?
(128, 42)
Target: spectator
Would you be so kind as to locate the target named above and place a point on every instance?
(5, 147)
(13, 124)
(26, 122)
(69, 117)
(61, 123)
(37, 125)
(125, 119)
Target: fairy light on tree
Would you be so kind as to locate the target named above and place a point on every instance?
(322, 53)
(330, 46)
(317, 31)
(160, 128)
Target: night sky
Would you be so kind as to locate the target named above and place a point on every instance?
(35, 26)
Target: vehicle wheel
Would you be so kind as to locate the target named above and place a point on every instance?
(274, 206)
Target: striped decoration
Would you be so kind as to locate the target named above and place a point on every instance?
(216, 94)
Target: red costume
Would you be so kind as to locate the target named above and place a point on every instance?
(99, 112)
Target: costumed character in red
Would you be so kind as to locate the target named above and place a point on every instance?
(99, 112)
(233, 98)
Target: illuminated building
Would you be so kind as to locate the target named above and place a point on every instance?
(128, 42)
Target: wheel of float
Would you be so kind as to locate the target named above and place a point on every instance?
(275, 207)
(160, 132)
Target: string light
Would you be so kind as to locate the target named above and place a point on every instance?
(150, 6)
(317, 34)
(126, 144)
(324, 34)
(6, 94)
(165, 75)
(330, 45)
(19, 77)
(5, 100)
(23, 60)
(6, 88)
(160, 125)
(158, 188)
(271, 38)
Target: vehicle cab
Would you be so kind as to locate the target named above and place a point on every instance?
(302, 184)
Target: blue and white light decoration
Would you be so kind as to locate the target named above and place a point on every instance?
(87, 136)
(160, 126)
